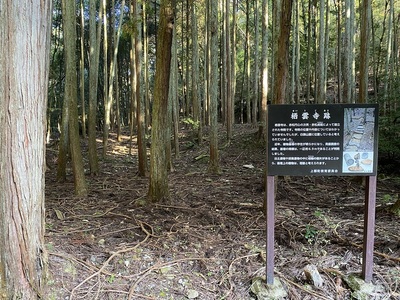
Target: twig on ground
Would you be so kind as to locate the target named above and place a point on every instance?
(101, 270)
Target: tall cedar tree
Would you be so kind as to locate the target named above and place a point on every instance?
(94, 41)
(213, 165)
(158, 189)
(71, 95)
(24, 63)
(282, 57)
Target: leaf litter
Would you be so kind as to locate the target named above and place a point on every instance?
(208, 241)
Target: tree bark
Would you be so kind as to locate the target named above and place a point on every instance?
(195, 76)
(24, 47)
(364, 50)
(71, 95)
(110, 97)
(213, 166)
(282, 58)
(264, 59)
(93, 83)
(320, 95)
(82, 70)
(158, 188)
(140, 108)
(256, 70)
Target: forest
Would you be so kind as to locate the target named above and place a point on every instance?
(133, 147)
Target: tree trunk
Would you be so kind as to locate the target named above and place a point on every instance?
(282, 57)
(71, 95)
(339, 52)
(348, 72)
(228, 73)
(93, 83)
(276, 15)
(388, 68)
(82, 70)
(256, 69)
(247, 65)
(233, 58)
(195, 76)
(364, 50)
(158, 188)
(295, 80)
(264, 58)
(140, 112)
(173, 94)
(24, 63)
(107, 107)
(320, 95)
(308, 55)
(213, 166)
(110, 97)
(146, 69)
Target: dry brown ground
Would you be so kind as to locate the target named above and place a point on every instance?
(209, 240)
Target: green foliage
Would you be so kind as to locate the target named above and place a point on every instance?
(189, 121)
(310, 234)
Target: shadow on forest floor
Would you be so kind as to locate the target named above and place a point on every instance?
(208, 242)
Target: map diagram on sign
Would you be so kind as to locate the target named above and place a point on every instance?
(358, 140)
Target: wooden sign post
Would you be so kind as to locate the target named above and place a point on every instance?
(323, 140)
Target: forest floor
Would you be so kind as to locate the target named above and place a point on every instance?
(208, 241)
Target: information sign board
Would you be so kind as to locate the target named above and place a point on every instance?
(322, 139)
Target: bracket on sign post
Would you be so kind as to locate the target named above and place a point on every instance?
(323, 140)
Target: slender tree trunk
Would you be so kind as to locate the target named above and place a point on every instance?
(173, 95)
(276, 11)
(195, 76)
(228, 83)
(233, 58)
(349, 73)
(140, 108)
(295, 81)
(109, 98)
(282, 59)
(71, 95)
(132, 77)
(256, 69)
(158, 187)
(93, 83)
(146, 69)
(264, 58)
(117, 103)
(82, 69)
(25, 29)
(326, 47)
(308, 59)
(247, 64)
(320, 93)
(339, 52)
(364, 50)
(63, 147)
(389, 47)
(106, 109)
(213, 166)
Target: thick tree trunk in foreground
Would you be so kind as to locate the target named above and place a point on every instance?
(24, 47)
(158, 189)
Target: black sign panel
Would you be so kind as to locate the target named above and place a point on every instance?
(323, 139)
